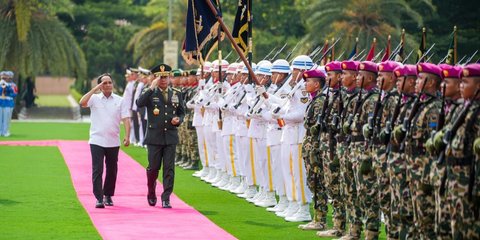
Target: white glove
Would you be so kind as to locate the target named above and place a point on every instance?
(201, 83)
(249, 88)
(260, 90)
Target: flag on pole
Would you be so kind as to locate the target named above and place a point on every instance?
(201, 31)
(386, 56)
(452, 50)
(399, 57)
(423, 47)
(371, 53)
(354, 50)
(240, 26)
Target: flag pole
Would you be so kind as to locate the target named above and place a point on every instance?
(237, 49)
(250, 38)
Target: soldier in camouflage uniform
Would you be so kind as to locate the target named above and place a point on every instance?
(348, 183)
(452, 106)
(315, 80)
(401, 206)
(463, 164)
(361, 157)
(413, 134)
(328, 144)
(192, 145)
(388, 97)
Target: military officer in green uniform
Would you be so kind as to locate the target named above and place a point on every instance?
(165, 112)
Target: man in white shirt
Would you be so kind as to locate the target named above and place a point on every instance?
(107, 110)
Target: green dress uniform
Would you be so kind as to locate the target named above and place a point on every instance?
(161, 136)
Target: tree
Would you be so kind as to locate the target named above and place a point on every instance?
(364, 19)
(35, 42)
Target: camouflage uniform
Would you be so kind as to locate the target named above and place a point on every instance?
(181, 150)
(380, 164)
(348, 184)
(419, 164)
(401, 206)
(464, 209)
(313, 158)
(438, 175)
(362, 163)
(331, 164)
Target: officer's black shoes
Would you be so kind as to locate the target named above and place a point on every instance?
(166, 204)
(152, 184)
(108, 201)
(152, 201)
(99, 204)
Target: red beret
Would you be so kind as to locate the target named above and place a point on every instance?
(333, 66)
(429, 68)
(368, 66)
(471, 70)
(350, 65)
(388, 66)
(315, 73)
(449, 71)
(405, 70)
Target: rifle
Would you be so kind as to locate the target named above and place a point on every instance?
(356, 55)
(425, 54)
(408, 56)
(396, 112)
(461, 59)
(358, 104)
(376, 56)
(291, 51)
(278, 52)
(372, 122)
(448, 137)
(316, 51)
(395, 51)
(340, 56)
(408, 121)
(337, 118)
(321, 117)
(228, 55)
(271, 51)
(470, 58)
(428, 59)
(328, 50)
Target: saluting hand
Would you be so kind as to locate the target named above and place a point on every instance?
(175, 121)
(154, 84)
(96, 88)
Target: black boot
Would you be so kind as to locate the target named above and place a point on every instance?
(193, 166)
(152, 184)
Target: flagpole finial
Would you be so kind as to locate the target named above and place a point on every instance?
(389, 36)
(455, 28)
(403, 30)
(374, 39)
(356, 39)
(424, 29)
(333, 39)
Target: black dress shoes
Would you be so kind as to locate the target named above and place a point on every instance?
(152, 201)
(99, 204)
(166, 204)
(108, 201)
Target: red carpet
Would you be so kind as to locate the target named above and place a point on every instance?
(131, 217)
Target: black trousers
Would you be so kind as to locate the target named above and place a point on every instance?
(111, 159)
(158, 154)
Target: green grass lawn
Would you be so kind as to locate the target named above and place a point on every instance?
(235, 215)
(37, 199)
(52, 101)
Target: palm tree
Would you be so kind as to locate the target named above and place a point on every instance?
(147, 44)
(364, 19)
(35, 42)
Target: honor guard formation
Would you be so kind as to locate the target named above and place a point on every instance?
(377, 141)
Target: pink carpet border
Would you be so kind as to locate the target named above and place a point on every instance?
(131, 217)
